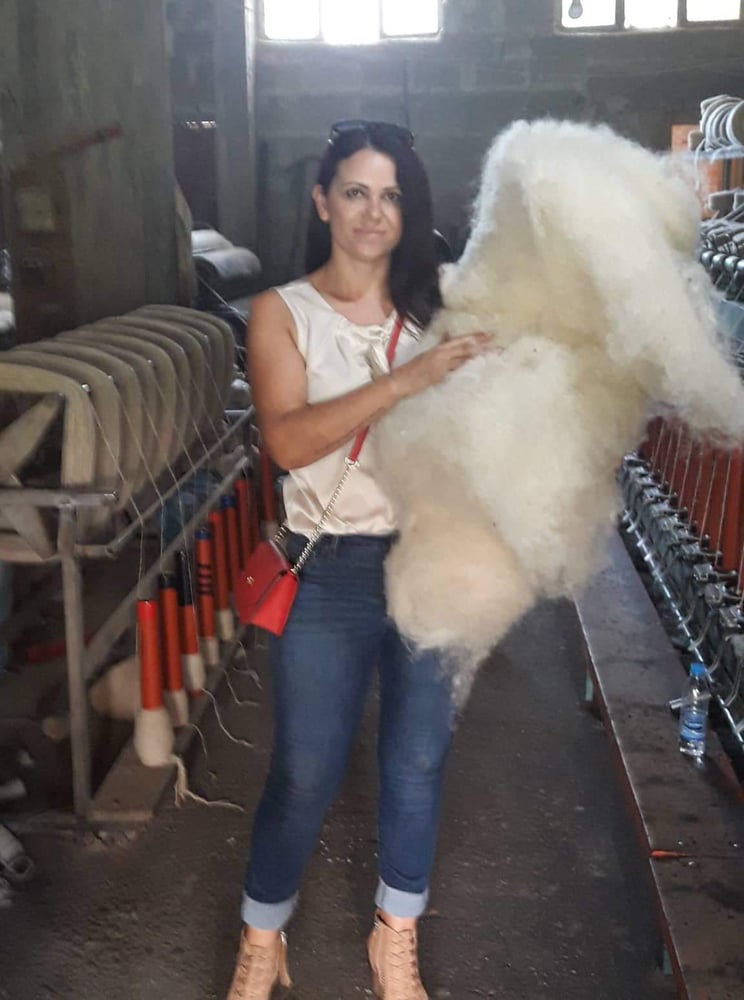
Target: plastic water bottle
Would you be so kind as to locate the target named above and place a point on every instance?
(693, 713)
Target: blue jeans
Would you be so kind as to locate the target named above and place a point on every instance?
(322, 668)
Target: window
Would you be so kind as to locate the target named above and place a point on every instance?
(651, 13)
(350, 22)
(647, 14)
(713, 10)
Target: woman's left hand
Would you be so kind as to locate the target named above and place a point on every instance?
(435, 364)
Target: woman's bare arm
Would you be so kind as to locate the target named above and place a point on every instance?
(297, 433)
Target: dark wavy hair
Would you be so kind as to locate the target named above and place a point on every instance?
(414, 276)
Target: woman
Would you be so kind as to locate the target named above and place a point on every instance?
(316, 351)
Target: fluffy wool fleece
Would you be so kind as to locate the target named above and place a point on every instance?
(582, 265)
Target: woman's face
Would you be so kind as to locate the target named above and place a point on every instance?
(363, 206)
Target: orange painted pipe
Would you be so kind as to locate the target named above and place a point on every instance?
(646, 448)
(222, 610)
(205, 583)
(700, 510)
(679, 473)
(219, 561)
(691, 475)
(149, 655)
(667, 454)
(189, 637)
(675, 466)
(659, 432)
(187, 612)
(244, 523)
(714, 496)
(230, 515)
(173, 678)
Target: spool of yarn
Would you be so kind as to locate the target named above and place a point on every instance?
(192, 662)
(153, 732)
(174, 695)
(232, 540)
(223, 612)
(208, 641)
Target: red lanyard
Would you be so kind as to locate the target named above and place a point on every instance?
(361, 436)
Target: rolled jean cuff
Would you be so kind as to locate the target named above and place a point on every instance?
(267, 916)
(406, 905)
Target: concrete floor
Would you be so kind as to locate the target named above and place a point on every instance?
(539, 890)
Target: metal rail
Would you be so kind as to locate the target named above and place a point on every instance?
(697, 586)
(82, 660)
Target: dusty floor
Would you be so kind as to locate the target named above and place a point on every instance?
(539, 890)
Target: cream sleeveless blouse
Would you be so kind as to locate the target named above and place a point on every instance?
(339, 356)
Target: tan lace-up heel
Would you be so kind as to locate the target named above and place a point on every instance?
(393, 956)
(258, 969)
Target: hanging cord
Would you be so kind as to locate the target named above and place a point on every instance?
(194, 472)
(240, 702)
(120, 473)
(667, 461)
(133, 502)
(182, 792)
(247, 671)
(230, 736)
(202, 399)
(686, 473)
(657, 447)
(696, 491)
(148, 471)
(176, 425)
(242, 317)
(726, 484)
(202, 740)
(709, 496)
(740, 578)
(671, 467)
(168, 466)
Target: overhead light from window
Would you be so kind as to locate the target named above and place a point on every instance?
(576, 10)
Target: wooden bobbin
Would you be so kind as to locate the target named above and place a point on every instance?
(192, 662)
(174, 694)
(244, 524)
(153, 732)
(223, 612)
(205, 597)
(230, 514)
(151, 681)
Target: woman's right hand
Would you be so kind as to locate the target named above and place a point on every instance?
(434, 365)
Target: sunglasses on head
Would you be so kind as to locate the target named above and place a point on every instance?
(371, 129)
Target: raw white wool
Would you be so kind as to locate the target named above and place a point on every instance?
(582, 264)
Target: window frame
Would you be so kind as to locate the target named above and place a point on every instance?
(619, 26)
(381, 40)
